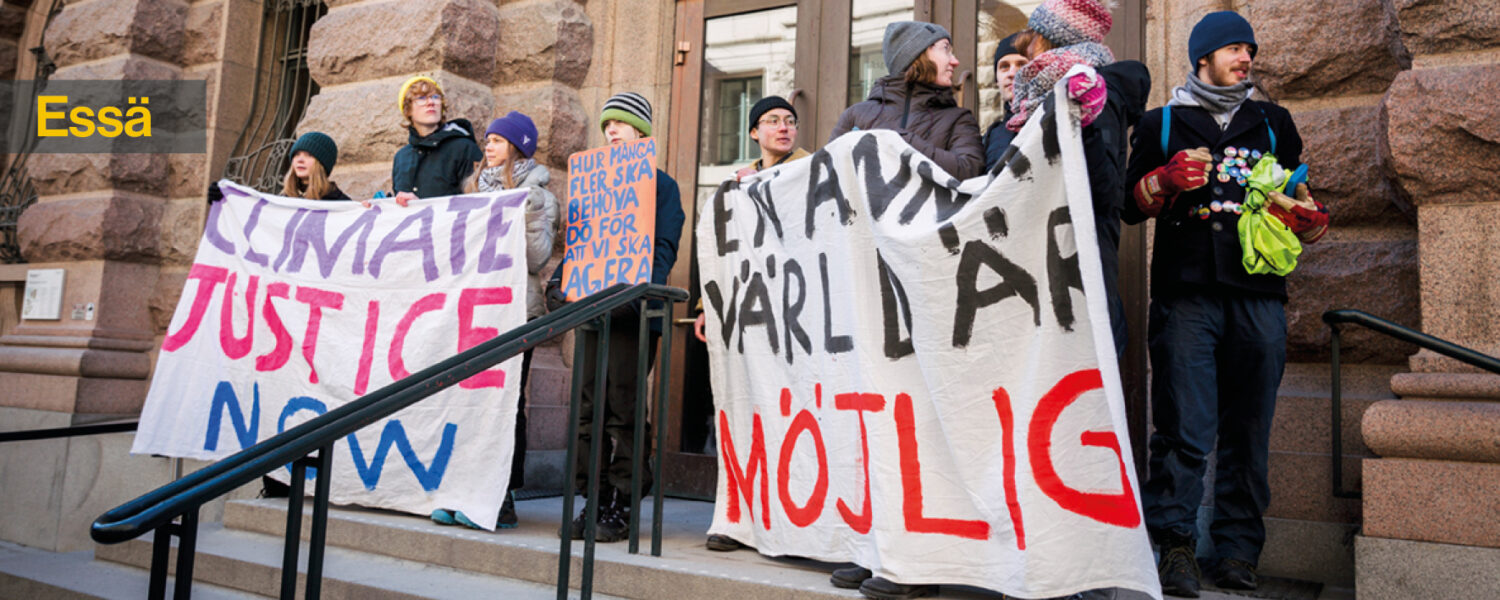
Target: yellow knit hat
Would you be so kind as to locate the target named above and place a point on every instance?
(401, 98)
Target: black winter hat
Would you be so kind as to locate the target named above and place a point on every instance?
(766, 105)
(320, 146)
(1007, 46)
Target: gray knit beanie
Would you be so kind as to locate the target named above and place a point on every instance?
(906, 40)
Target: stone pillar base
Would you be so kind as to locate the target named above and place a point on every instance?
(1400, 569)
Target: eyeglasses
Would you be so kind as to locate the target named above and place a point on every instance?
(433, 98)
(773, 121)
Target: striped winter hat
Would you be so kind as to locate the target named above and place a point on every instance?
(1068, 22)
(630, 108)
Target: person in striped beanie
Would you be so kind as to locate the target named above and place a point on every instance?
(1059, 35)
(626, 117)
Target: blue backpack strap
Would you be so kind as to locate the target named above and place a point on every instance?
(1273, 135)
(1166, 128)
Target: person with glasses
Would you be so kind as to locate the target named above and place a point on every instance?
(439, 154)
(773, 125)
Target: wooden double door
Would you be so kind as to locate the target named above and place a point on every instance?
(822, 56)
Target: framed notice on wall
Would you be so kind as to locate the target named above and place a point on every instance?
(43, 298)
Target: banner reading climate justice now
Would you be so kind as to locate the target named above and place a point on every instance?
(295, 307)
(916, 374)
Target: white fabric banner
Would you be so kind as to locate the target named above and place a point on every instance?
(917, 374)
(331, 301)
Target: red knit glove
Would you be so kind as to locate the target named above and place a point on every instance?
(1188, 170)
(1306, 217)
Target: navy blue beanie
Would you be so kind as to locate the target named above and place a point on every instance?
(1218, 30)
(517, 129)
(320, 146)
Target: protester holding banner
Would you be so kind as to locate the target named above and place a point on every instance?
(313, 157)
(773, 125)
(1008, 60)
(509, 143)
(439, 154)
(626, 117)
(916, 99)
(1060, 35)
(1217, 332)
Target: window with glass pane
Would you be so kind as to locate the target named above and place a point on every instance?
(732, 123)
(745, 58)
(997, 19)
(866, 31)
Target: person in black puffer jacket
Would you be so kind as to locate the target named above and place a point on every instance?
(439, 154)
(1063, 34)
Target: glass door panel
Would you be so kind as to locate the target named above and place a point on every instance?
(866, 32)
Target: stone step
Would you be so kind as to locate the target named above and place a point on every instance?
(685, 570)
(251, 562)
(31, 573)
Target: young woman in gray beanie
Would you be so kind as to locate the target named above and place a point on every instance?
(916, 100)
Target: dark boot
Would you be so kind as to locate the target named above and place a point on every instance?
(849, 578)
(723, 543)
(508, 518)
(881, 588)
(1178, 567)
(1235, 574)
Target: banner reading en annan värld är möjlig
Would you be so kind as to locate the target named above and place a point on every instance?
(916, 374)
(294, 307)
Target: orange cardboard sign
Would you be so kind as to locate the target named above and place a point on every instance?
(611, 217)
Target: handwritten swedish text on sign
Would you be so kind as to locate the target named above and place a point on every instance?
(611, 217)
(915, 374)
(293, 308)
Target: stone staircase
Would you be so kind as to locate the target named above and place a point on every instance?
(380, 554)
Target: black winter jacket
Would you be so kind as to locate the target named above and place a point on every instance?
(1128, 83)
(1193, 254)
(436, 165)
(996, 139)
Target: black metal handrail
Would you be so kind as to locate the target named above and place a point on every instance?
(314, 439)
(1348, 316)
(62, 432)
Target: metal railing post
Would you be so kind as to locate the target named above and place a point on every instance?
(316, 541)
(187, 548)
(161, 551)
(643, 333)
(293, 530)
(570, 458)
(1336, 406)
(664, 375)
(596, 460)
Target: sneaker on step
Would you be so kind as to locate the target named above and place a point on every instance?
(443, 516)
(508, 518)
(723, 543)
(1235, 574)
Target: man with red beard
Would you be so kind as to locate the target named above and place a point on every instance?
(1217, 333)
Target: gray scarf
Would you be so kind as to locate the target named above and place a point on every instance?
(1215, 99)
(493, 178)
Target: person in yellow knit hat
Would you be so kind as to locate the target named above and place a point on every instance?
(439, 154)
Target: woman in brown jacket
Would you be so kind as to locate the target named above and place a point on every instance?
(916, 100)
